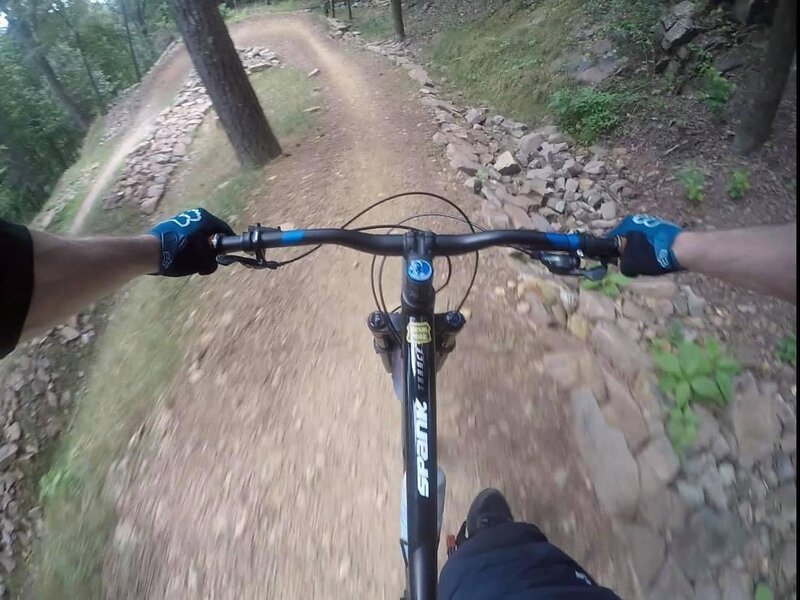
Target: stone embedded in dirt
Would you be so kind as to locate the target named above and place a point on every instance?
(712, 484)
(692, 495)
(464, 164)
(608, 210)
(671, 583)
(648, 550)
(420, 75)
(735, 584)
(623, 413)
(678, 25)
(530, 143)
(440, 139)
(506, 164)
(69, 333)
(709, 541)
(755, 423)
(653, 287)
(12, 432)
(519, 217)
(475, 116)
(620, 350)
(596, 307)
(610, 463)
(658, 458)
(596, 167)
(8, 452)
(313, 72)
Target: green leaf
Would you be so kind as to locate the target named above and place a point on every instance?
(725, 387)
(706, 365)
(763, 592)
(729, 365)
(667, 362)
(706, 388)
(588, 284)
(668, 383)
(690, 358)
(683, 393)
(712, 348)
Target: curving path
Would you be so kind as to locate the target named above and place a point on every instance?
(275, 471)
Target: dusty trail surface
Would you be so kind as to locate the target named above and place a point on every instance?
(275, 470)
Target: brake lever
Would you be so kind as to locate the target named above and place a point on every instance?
(570, 264)
(251, 263)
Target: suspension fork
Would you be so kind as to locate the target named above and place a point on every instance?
(419, 416)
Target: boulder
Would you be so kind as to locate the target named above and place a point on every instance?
(647, 550)
(475, 116)
(679, 25)
(755, 423)
(506, 164)
(620, 350)
(708, 542)
(596, 307)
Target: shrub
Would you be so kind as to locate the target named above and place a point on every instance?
(716, 90)
(739, 184)
(586, 113)
(693, 182)
(786, 350)
(609, 285)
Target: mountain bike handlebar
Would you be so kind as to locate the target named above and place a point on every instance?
(260, 238)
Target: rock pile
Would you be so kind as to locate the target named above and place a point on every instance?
(708, 527)
(31, 397)
(149, 167)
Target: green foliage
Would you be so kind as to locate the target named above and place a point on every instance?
(631, 21)
(587, 113)
(763, 592)
(693, 182)
(739, 184)
(786, 350)
(76, 38)
(716, 89)
(691, 373)
(510, 58)
(225, 11)
(610, 285)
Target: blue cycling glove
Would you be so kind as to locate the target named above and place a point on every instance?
(185, 243)
(648, 246)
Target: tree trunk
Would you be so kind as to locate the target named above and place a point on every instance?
(22, 32)
(349, 11)
(215, 59)
(756, 125)
(124, 7)
(76, 36)
(397, 17)
(141, 20)
(333, 9)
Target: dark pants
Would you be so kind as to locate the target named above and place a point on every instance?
(515, 561)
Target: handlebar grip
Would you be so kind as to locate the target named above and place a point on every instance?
(602, 247)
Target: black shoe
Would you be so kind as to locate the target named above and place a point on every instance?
(487, 510)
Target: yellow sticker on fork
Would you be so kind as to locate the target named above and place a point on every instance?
(418, 333)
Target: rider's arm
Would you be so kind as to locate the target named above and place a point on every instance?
(762, 259)
(70, 273)
(49, 278)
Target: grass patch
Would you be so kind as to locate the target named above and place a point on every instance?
(260, 8)
(141, 352)
(507, 60)
(628, 22)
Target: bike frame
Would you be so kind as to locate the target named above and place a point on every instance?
(419, 419)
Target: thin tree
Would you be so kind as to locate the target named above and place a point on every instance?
(397, 18)
(218, 65)
(21, 32)
(756, 125)
(349, 10)
(76, 36)
(140, 16)
(333, 9)
(123, 5)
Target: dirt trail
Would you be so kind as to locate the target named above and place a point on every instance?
(275, 472)
(157, 89)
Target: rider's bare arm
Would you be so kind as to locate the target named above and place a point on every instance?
(69, 273)
(762, 259)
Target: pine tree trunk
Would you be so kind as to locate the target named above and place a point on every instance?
(214, 56)
(756, 125)
(349, 11)
(397, 18)
(24, 35)
(124, 7)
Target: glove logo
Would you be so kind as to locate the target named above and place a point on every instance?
(646, 221)
(663, 258)
(188, 217)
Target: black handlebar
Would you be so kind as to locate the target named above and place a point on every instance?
(260, 238)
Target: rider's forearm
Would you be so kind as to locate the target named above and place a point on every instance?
(70, 273)
(762, 259)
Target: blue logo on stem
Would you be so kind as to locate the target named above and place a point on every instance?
(420, 270)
